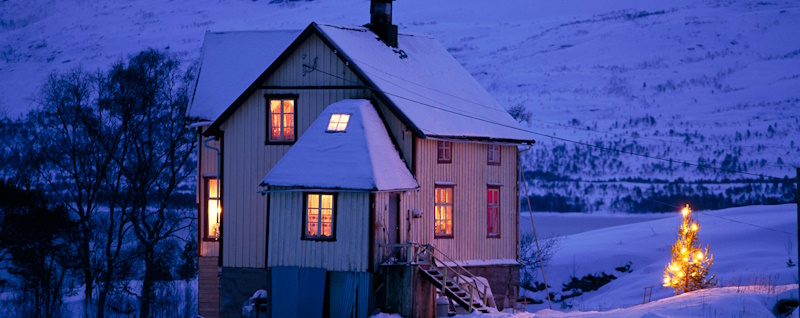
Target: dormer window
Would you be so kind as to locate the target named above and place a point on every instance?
(338, 122)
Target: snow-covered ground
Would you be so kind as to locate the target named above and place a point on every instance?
(751, 246)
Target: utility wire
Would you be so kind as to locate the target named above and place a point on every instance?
(534, 119)
(549, 136)
(727, 219)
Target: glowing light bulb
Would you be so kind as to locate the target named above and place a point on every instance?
(685, 211)
(694, 227)
(699, 255)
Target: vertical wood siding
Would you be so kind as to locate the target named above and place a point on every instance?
(350, 250)
(206, 167)
(247, 159)
(471, 174)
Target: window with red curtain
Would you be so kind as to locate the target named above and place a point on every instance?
(493, 211)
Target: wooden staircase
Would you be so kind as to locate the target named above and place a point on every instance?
(453, 290)
(457, 284)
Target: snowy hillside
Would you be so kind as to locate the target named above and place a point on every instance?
(751, 247)
(707, 82)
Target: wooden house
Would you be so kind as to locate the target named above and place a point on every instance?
(347, 169)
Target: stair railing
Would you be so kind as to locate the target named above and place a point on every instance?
(404, 253)
(459, 272)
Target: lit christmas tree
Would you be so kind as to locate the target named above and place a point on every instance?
(689, 266)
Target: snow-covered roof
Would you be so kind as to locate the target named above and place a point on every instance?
(362, 157)
(231, 61)
(427, 85)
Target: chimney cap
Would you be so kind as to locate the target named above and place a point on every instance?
(380, 12)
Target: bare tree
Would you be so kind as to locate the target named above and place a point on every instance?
(152, 91)
(64, 153)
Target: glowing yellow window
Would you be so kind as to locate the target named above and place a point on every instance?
(213, 209)
(281, 120)
(443, 211)
(338, 122)
(319, 217)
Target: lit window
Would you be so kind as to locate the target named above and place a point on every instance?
(493, 212)
(281, 121)
(338, 122)
(443, 151)
(213, 209)
(319, 216)
(443, 214)
(493, 154)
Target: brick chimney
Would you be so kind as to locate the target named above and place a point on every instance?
(380, 21)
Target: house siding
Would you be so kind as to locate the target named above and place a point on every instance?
(348, 252)
(247, 159)
(470, 174)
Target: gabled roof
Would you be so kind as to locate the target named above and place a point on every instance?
(231, 61)
(362, 157)
(427, 85)
(421, 83)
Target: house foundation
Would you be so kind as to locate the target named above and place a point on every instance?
(237, 285)
(404, 292)
(503, 280)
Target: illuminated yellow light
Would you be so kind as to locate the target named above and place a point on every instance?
(694, 227)
(686, 210)
(699, 255)
(338, 122)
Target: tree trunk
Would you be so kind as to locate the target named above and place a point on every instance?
(86, 261)
(147, 284)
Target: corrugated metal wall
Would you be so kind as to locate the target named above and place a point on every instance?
(349, 252)
(471, 175)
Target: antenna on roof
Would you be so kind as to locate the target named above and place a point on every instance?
(380, 21)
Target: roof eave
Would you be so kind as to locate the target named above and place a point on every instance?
(484, 139)
(214, 129)
(296, 188)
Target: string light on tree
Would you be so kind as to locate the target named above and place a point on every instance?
(688, 269)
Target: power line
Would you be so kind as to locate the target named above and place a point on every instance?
(534, 119)
(727, 219)
(549, 136)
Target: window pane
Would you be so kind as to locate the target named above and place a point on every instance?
(288, 106)
(327, 230)
(213, 218)
(312, 229)
(313, 201)
(288, 133)
(275, 106)
(343, 122)
(448, 195)
(327, 215)
(213, 192)
(327, 201)
(334, 122)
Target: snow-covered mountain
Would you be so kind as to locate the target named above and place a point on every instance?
(709, 82)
